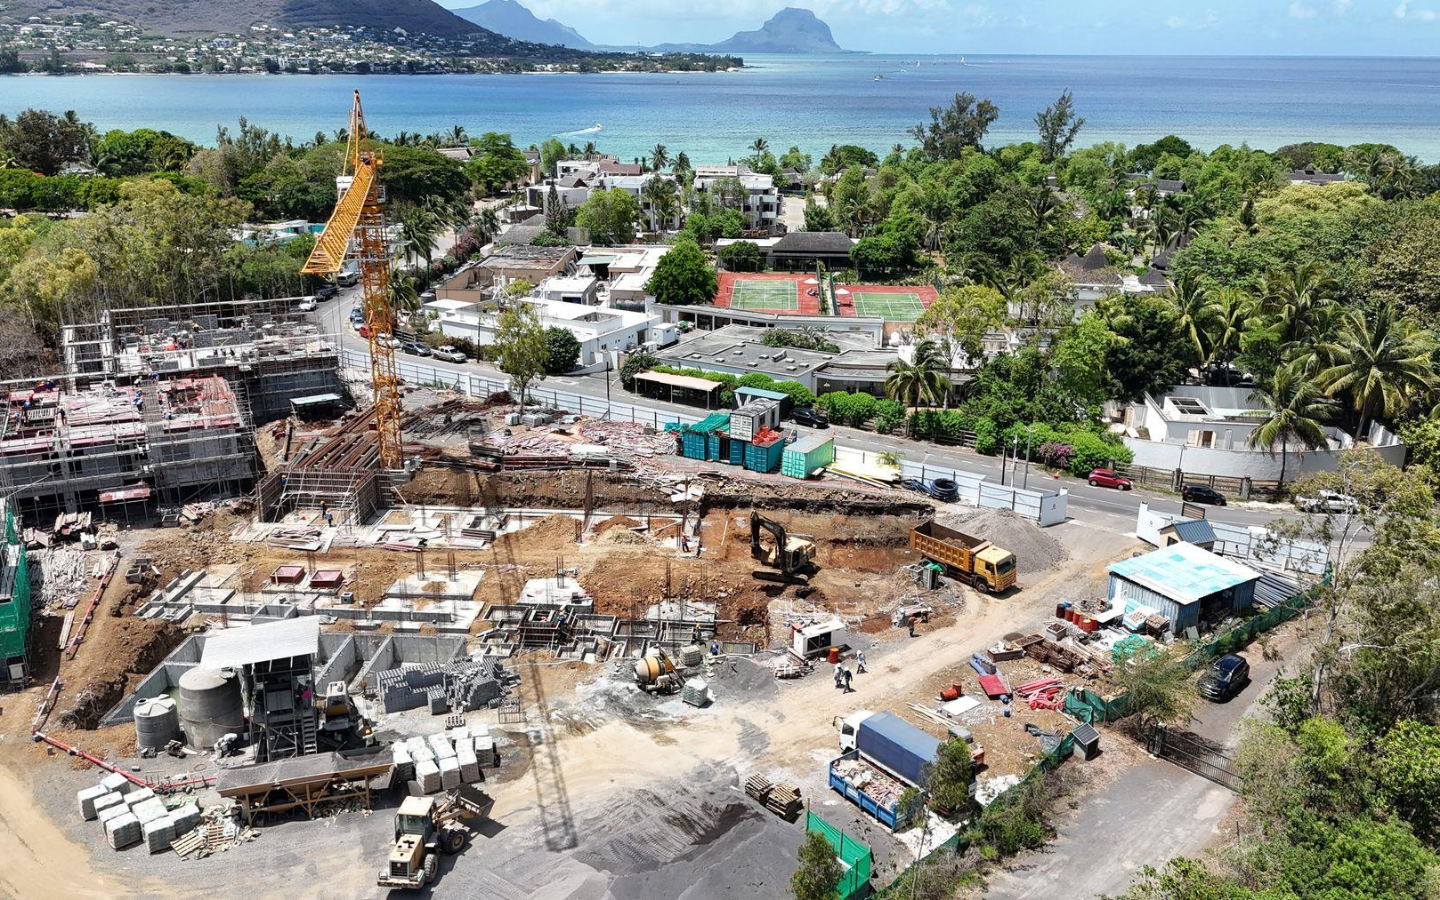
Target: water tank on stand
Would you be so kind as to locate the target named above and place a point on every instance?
(210, 706)
(157, 723)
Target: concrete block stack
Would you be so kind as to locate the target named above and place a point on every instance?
(87, 797)
(123, 830)
(427, 775)
(450, 773)
(139, 796)
(465, 684)
(404, 763)
(185, 819)
(465, 756)
(118, 783)
(111, 810)
(442, 747)
(158, 834)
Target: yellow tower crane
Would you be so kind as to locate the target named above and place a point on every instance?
(360, 215)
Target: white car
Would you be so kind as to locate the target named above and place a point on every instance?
(388, 340)
(1328, 502)
(307, 304)
(450, 354)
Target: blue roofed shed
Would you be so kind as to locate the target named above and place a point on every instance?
(1184, 583)
(1190, 531)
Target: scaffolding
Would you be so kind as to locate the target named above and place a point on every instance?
(174, 440)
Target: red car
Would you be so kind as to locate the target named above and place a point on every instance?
(1109, 478)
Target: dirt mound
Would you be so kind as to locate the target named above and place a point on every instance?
(129, 649)
(623, 537)
(615, 522)
(1034, 549)
(548, 533)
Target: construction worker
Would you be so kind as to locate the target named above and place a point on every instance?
(839, 676)
(848, 676)
(860, 662)
(912, 620)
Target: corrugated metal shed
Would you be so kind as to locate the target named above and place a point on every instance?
(1192, 531)
(262, 643)
(1184, 572)
(1272, 590)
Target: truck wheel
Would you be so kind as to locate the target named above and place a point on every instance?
(432, 866)
(452, 841)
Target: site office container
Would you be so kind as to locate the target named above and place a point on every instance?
(808, 454)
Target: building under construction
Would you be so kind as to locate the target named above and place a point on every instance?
(112, 447)
(274, 357)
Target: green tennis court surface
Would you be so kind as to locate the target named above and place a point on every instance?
(766, 295)
(892, 307)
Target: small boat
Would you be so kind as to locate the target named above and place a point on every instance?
(879, 78)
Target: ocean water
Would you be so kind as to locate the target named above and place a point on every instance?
(809, 101)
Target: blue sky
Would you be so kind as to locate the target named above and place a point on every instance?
(1269, 27)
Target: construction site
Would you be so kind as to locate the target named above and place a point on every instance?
(572, 617)
(486, 648)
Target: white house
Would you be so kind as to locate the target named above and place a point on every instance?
(570, 289)
(634, 185)
(758, 198)
(599, 331)
(1206, 431)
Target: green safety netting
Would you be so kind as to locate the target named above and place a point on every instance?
(853, 855)
(14, 615)
(1090, 707)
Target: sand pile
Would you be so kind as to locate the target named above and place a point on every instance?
(1034, 549)
(624, 537)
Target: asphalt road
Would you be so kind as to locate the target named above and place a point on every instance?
(1103, 507)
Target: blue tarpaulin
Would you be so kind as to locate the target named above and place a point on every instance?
(898, 746)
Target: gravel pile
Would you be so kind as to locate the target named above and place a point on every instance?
(1035, 550)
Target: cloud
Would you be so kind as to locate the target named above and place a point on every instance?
(1300, 10)
(1404, 11)
(1202, 23)
(1342, 7)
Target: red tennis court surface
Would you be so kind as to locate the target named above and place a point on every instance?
(783, 294)
(891, 302)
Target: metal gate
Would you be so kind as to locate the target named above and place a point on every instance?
(1193, 753)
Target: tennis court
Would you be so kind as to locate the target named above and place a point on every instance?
(893, 303)
(777, 294)
(770, 295)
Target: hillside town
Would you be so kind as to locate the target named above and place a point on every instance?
(87, 44)
(456, 516)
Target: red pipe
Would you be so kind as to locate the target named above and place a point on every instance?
(136, 779)
(94, 602)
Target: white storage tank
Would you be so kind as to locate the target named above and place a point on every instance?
(157, 723)
(210, 706)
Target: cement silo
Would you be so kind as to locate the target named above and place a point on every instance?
(210, 706)
(157, 723)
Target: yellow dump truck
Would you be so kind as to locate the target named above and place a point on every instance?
(973, 560)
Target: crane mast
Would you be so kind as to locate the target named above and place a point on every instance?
(359, 218)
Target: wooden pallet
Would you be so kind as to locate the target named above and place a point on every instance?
(188, 843)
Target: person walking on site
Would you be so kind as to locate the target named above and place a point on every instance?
(860, 662)
(912, 621)
(848, 676)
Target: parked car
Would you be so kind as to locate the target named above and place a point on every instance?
(363, 330)
(415, 348)
(347, 279)
(450, 354)
(1225, 678)
(1327, 501)
(812, 417)
(943, 489)
(326, 290)
(1109, 478)
(1199, 493)
(385, 339)
(307, 304)
(357, 315)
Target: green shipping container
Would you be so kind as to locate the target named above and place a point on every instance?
(808, 454)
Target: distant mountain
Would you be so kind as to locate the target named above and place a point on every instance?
(791, 30)
(513, 20)
(194, 18)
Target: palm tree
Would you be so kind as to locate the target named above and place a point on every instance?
(418, 230)
(1382, 362)
(1297, 298)
(682, 164)
(588, 151)
(925, 378)
(457, 136)
(1194, 310)
(1233, 309)
(934, 207)
(486, 224)
(659, 194)
(659, 157)
(1293, 412)
(759, 146)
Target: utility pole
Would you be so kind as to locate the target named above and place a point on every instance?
(1029, 436)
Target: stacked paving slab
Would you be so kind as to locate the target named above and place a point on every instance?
(443, 762)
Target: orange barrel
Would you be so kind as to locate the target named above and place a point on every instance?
(1091, 625)
(834, 655)
(950, 693)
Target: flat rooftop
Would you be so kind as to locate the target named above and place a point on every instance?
(738, 346)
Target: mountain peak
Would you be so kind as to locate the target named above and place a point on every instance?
(514, 20)
(791, 30)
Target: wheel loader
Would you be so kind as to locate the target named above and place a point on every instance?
(425, 827)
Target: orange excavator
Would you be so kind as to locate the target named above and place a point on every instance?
(359, 219)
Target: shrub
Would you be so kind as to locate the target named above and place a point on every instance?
(987, 437)
(635, 363)
(890, 416)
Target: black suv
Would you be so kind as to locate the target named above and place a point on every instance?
(1225, 678)
(1199, 493)
(326, 290)
(813, 418)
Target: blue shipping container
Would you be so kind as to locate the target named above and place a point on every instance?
(897, 746)
(737, 452)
